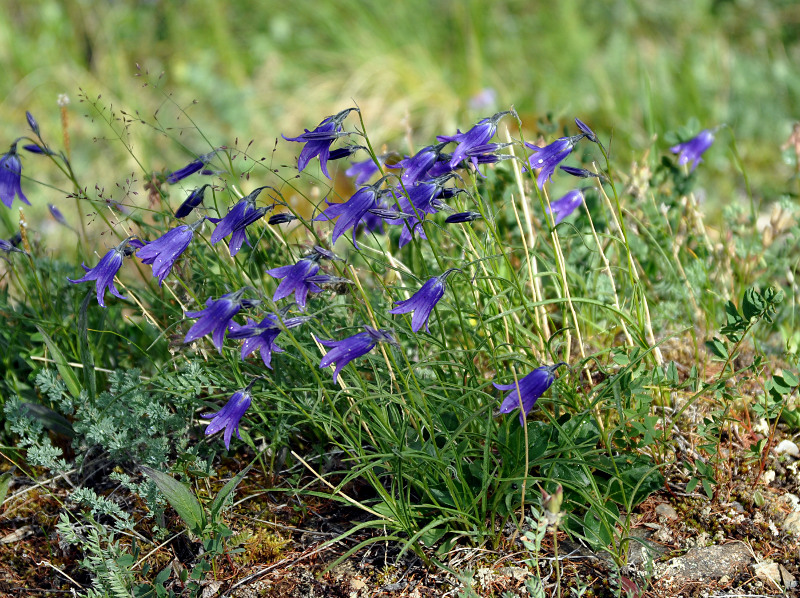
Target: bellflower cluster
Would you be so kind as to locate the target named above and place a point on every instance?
(104, 272)
(10, 175)
(162, 253)
(236, 221)
(230, 415)
(353, 347)
(527, 390)
(692, 150)
(318, 142)
(423, 301)
(216, 317)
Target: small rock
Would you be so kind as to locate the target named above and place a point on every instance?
(792, 500)
(774, 573)
(768, 477)
(711, 562)
(792, 523)
(761, 427)
(737, 506)
(666, 511)
(787, 447)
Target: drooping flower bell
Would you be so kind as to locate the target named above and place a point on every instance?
(692, 150)
(195, 165)
(236, 221)
(229, 417)
(423, 301)
(162, 253)
(10, 175)
(527, 390)
(353, 347)
(216, 317)
(318, 142)
(567, 204)
(105, 271)
(190, 203)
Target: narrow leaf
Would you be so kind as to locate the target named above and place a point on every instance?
(180, 497)
(5, 482)
(69, 377)
(227, 489)
(89, 378)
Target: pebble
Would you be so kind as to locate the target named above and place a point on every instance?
(787, 447)
(666, 511)
(792, 523)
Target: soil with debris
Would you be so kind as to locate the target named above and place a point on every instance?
(746, 540)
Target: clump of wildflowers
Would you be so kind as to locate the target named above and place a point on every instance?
(527, 390)
(692, 150)
(10, 175)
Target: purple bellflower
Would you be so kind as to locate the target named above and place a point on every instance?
(582, 173)
(57, 215)
(190, 203)
(10, 175)
(353, 347)
(548, 157)
(235, 222)
(32, 123)
(216, 317)
(10, 247)
(261, 337)
(417, 166)
(587, 132)
(692, 150)
(295, 280)
(351, 212)
(230, 415)
(281, 218)
(528, 390)
(423, 301)
(162, 253)
(318, 142)
(463, 217)
(192, 167)
(477, 136)
(105, 271)
(564, 206)
(364, 170)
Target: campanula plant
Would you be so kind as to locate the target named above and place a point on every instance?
(10, 175)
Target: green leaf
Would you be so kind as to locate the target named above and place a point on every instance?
(225, 492)
(753, 304)
(89, 378)
(717, 347)
(5, 482)
(69, 377)
(180, 497)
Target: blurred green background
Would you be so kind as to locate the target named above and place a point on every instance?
(261, 68)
